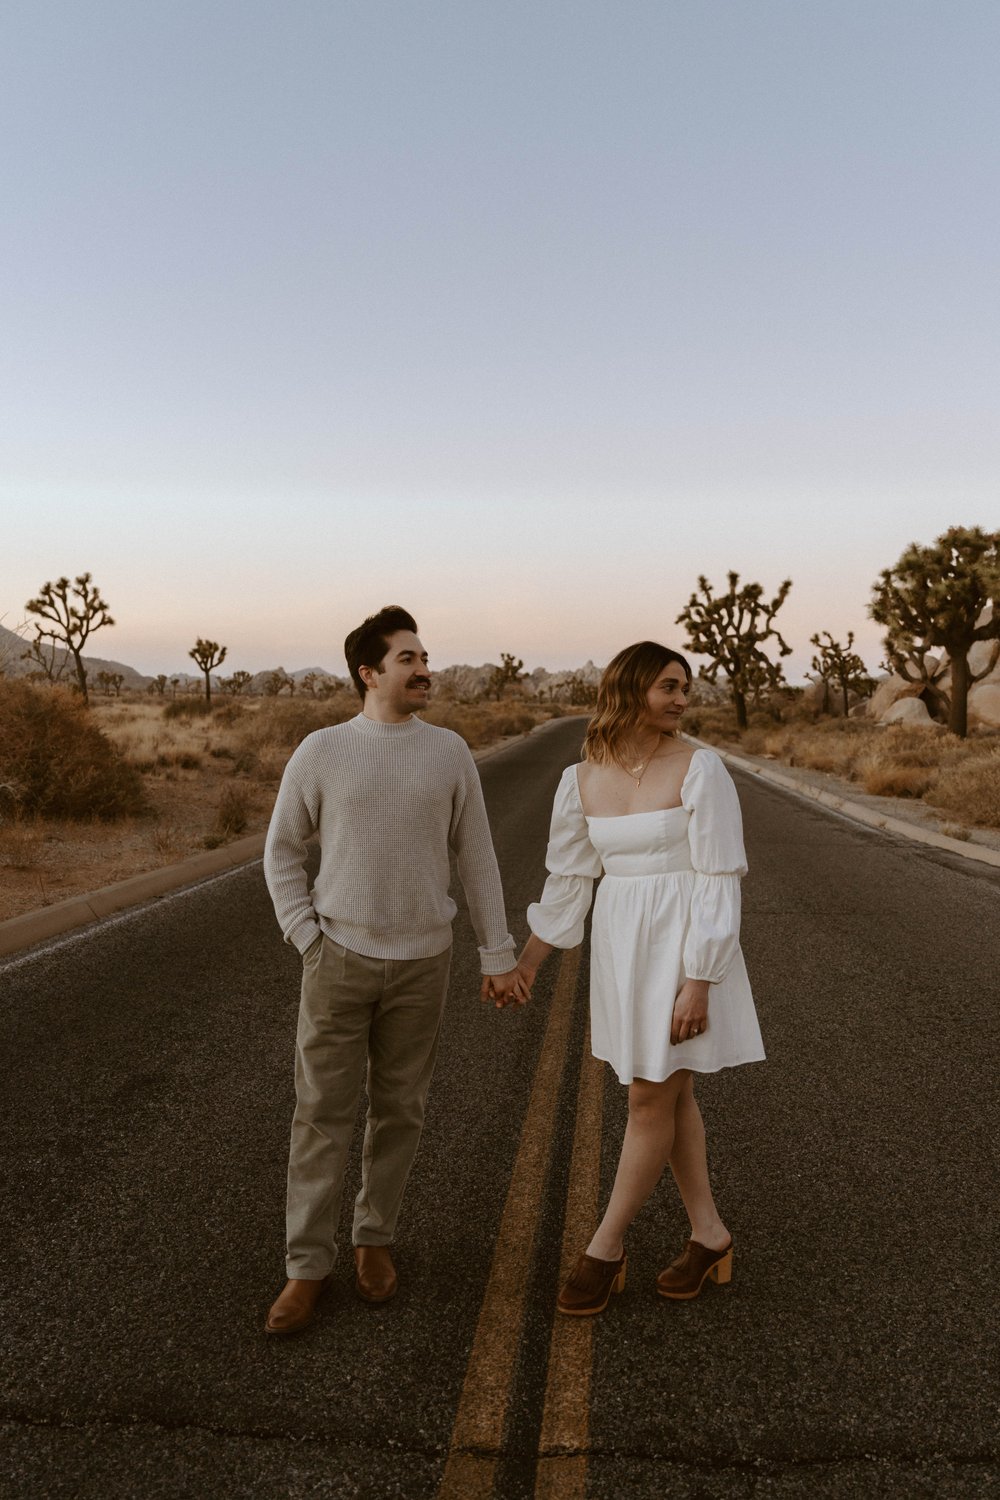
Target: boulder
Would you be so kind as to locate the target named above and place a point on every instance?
(889, 691)
(907, 711)
(984, 705)
(979, 659)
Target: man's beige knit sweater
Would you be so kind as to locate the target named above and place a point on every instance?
(389, 801)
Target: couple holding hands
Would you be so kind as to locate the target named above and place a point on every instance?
(390, 798)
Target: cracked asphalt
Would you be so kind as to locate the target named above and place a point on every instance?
(148, 1091)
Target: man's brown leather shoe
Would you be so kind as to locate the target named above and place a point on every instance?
(376, 1274)
(295, 1308)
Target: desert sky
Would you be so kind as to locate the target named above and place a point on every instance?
(521, 314)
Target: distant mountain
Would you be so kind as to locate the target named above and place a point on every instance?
(12, 663)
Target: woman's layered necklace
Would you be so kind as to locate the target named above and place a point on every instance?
(638, 771)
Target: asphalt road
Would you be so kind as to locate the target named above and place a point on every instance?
(144, 1130)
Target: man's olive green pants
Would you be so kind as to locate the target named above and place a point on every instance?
(358, 1013)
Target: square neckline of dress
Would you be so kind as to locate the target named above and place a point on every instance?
(650, 812)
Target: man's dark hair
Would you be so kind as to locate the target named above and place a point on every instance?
(367, 645)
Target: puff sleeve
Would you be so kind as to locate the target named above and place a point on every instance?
(573, 864)
(715, 833)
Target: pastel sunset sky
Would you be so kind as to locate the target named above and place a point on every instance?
(522, 313)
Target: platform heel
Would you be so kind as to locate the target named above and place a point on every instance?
(685, 1277)
(589, 1287)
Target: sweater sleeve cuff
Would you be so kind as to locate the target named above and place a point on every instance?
(303, 934)
(498, 960)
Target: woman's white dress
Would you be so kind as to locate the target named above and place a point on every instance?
(668, 909)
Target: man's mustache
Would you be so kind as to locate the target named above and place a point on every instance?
(419, 682)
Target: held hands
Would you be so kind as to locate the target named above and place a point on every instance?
(690, 1017)
(512, 988)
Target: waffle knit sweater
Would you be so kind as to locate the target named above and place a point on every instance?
(389, 802)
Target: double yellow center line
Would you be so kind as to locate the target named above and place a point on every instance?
(477, 1436)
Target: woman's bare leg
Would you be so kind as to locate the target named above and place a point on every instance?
(689, 1164)
(646, 1150)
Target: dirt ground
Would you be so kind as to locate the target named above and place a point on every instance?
(46, 861)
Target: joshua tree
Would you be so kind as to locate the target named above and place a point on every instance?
(580, 692)
(275, 683)
(838, 664)
(159, 684)
(50, 663)
(111, 682)
(507, 674)
(70, 623)
(318, 685)
(237, 684)
(208, 655)
(943, 597)
(730, 630)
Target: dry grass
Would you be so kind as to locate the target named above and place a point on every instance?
(233, 816)
(19, 846)
(482, 724)
(970, 789)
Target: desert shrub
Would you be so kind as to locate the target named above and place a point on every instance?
(187, 708)
(711, 722)
(56, 761)
(513, 720)
(245, 762)
(167, 840)
(886, 778)
(970, 788)
(232, 815)
(184, 760)
(483, 723)
(754, 741)
(230, 712)
(283, 723)
(473, 721)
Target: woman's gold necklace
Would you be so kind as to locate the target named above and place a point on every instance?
(638, 771)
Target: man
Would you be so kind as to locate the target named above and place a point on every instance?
(389, 796)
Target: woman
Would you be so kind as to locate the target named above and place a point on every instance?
(669, 990)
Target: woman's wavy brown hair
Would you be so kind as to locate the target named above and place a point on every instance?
(621, 698)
